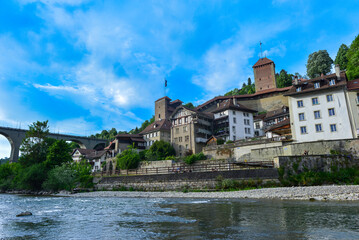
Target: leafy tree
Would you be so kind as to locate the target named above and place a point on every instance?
(73, 145)
(284, 79)
(162, 149)
(246, 89)
(189, 105)
(83, 177)
(58, 154)
(341, 57)
(195, 157)
(128, 159)
(60, 178)
(318, 63)
(249, 81)
(353, 60)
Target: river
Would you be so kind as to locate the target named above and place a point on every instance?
(160, 218)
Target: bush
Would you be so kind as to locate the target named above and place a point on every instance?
(229, 142)
(194, 157)
(60, 178)
(128, 159)
(220, 141)
(162, 149)
(83, 177)
(171, 158)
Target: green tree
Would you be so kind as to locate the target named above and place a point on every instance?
(341, 57)
(128, 159)
(353, 60)
(189, 105)
(162, 149)
(58, 153)
(60, 178)
(319, 63)
(73, 145)
(249, 81)
(284, 79)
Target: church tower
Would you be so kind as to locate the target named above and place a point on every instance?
(264, 74)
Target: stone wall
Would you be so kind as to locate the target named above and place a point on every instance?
(322, 163)
(198, 180)
(268, 151)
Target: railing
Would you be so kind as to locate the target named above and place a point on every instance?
(184, 168)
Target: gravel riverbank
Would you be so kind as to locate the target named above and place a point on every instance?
(321, 193)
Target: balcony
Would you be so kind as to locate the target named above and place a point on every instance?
(204, 131)
(203, 122)
(201, 140)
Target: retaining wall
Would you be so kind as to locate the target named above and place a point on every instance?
(198, 180)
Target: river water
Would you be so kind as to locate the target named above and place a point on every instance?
(158, 218)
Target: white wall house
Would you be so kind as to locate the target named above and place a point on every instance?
(319, 109)
(233, 121)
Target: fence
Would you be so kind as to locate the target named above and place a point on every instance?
(184, 168)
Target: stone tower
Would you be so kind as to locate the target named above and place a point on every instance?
(264, 74)
(164, 107)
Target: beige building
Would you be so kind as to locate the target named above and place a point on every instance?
(190, 130)
(156, 131)
(352, 95)
(164, 107)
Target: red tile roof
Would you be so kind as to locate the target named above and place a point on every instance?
(262, 61)
(308, 86)
(353, 85)
(163, 124)
(229, 104)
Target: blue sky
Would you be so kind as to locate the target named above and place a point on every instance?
(91, 65)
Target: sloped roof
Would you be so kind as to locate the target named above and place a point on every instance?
(262, 61)
(277, 112)
(278, 125)
(229, 104)
(308, 86)
(96, 154)
(83, 151)
(353, 85)
(164, 125)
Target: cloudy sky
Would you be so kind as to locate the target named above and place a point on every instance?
(90, 65)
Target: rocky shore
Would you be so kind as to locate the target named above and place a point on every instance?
(320, 193)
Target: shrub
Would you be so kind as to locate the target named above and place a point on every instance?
(162, 149)
(194, 157)
(83, 177)
(170, 158)
(60, 178)
(220, 141)
(229, 142)
(128, 159)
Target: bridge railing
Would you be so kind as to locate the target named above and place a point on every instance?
(184, 168)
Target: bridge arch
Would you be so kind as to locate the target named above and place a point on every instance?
(3, 139)
(80, 143)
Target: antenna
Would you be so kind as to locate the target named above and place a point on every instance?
(260, 45)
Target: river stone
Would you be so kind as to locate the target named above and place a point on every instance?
(24, 214)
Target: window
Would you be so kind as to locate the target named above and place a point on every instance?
(331, 111)
(315, 101)
(234, 137)
(332, 82)
(303, 130)
(299, 89)
(234, 129)
(301, 117)
(159, 116)
(333, 127)
(185, 129)
(177, 130)
(318, 127)
(257, 126)
(246, 121)
(234, 120)
(186, 138)
(186, 119)
(330, 98)
(186, 146)
(180, 139)
(249, 131)
(300, 103)
(234, 112)
(180, 121)
(317, 85)
(316, 114)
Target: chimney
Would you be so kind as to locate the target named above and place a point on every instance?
(295, 80)
(234, 101)
(337, 71)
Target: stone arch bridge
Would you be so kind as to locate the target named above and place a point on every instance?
(15, 137)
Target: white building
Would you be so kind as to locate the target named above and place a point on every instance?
(233, 121)
(319, 109)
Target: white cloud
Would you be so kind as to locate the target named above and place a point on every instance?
(5, 147)
(226, 65)
(279, 50)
